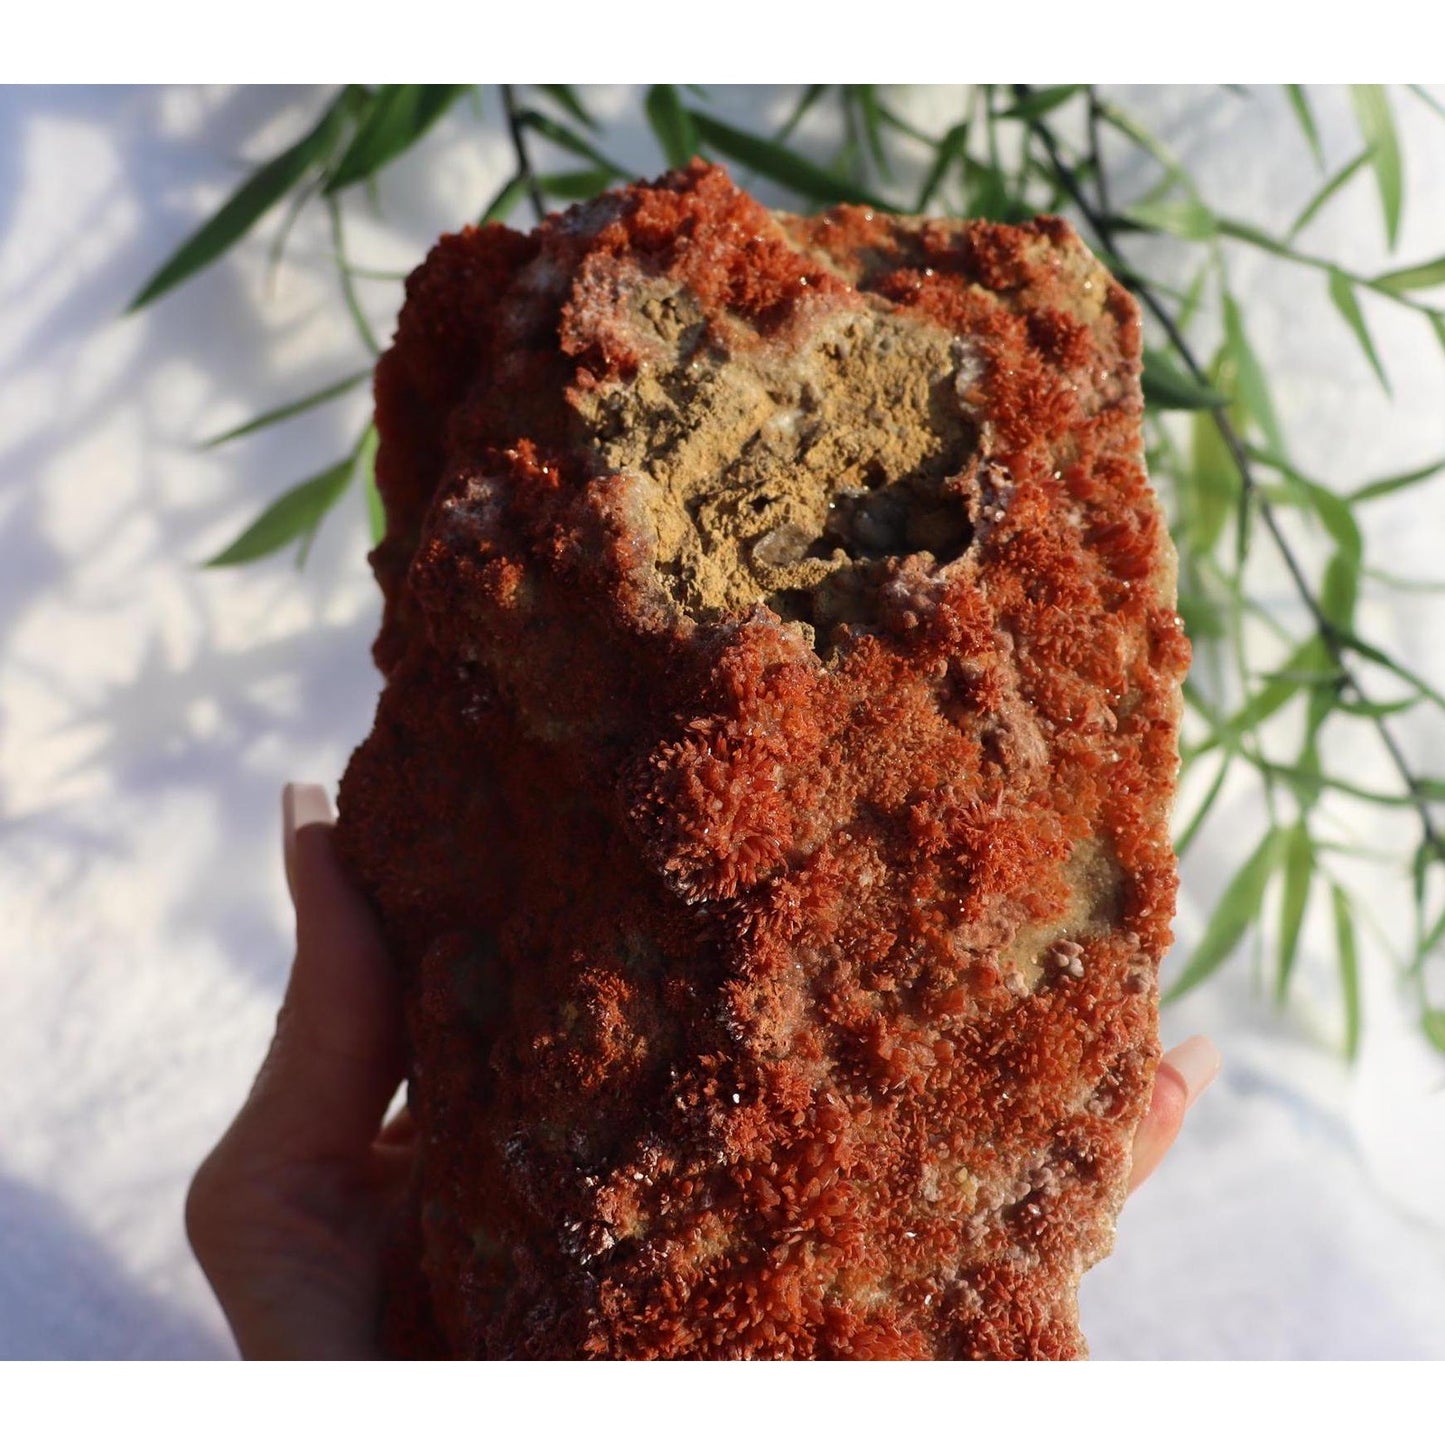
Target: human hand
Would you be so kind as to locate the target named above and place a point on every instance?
(289, 1213)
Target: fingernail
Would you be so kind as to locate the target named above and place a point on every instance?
(1197, 1061)
(301, 805)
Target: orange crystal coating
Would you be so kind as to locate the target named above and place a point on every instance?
(763, 1003)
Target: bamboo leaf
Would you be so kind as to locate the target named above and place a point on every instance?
(950, 149)
(1349, 966)
(1241, 231)
(1252, 392)
(1329, 191)
(672, 124)
(1126, 124)
(1434, 1025)
(1237, 909)
(1342, 293)
(1211, 481)
(1304, 666)
(1412, 278)
(366, 466)
(1299, 867)
(575, 185)
(872, 112)
(779, 164)
(1197, 821)
(1369, 650)
(1300, 104)
(1421, 93)
(566, 97)
(810, 97)
(1386, 485)
(1377, 126)
(396, 117)
(505, 201)
(1340, 590)
(290, 409)
(1335, 514)
(569, 140)
(1356, 707)
(1191, 220)
(262, 190)
(293, 516)
(1039, 102)
(1309, 777)
(1171, 389)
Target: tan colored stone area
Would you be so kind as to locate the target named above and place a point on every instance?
(786, 477)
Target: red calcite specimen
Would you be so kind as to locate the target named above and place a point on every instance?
(767, 802)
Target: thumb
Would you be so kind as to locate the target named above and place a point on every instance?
(337, 1056)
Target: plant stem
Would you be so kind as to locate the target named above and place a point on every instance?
(519, 147)
(1330, 635)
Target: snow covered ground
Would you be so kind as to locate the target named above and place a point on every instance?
(149, 713)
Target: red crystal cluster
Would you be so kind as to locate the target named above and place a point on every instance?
(765, 999)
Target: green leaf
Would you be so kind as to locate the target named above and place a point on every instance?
(1211, 482)
(1171, 389)
(987, 194)
(1203, 617)
(291, 408)
(1340, 590)
(1252, 392)
(1434, 1025)
(1335, 514)
(1237, 909)
(867, 100)
(1240, 231)
(1113, 115)
(1421, 93)
(1329, 191)
(1342, 293)
(1412, 278)
(575, 185)
(1299, 102)
(1356, 707)
(950, 149)
(1039, 102)
(1349, 966)
(1191, 220)
(566, 97)
(366, 466)
(1377, 126)
(396, 117)
(1187, 837)
(1369, 650)
(568, 140)
(293, 516)
(779, 164)
(810, 97)
(505, 201)
(672, 124)
(1299, 867)
(1304, 666)
(1386, 485)
(247, 205)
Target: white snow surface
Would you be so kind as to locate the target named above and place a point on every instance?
(150, 711)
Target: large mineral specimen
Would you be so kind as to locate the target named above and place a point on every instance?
(767, 802)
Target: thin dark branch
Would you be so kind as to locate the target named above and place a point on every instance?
(1096, 154)
(1334, 640)
(519, 146)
